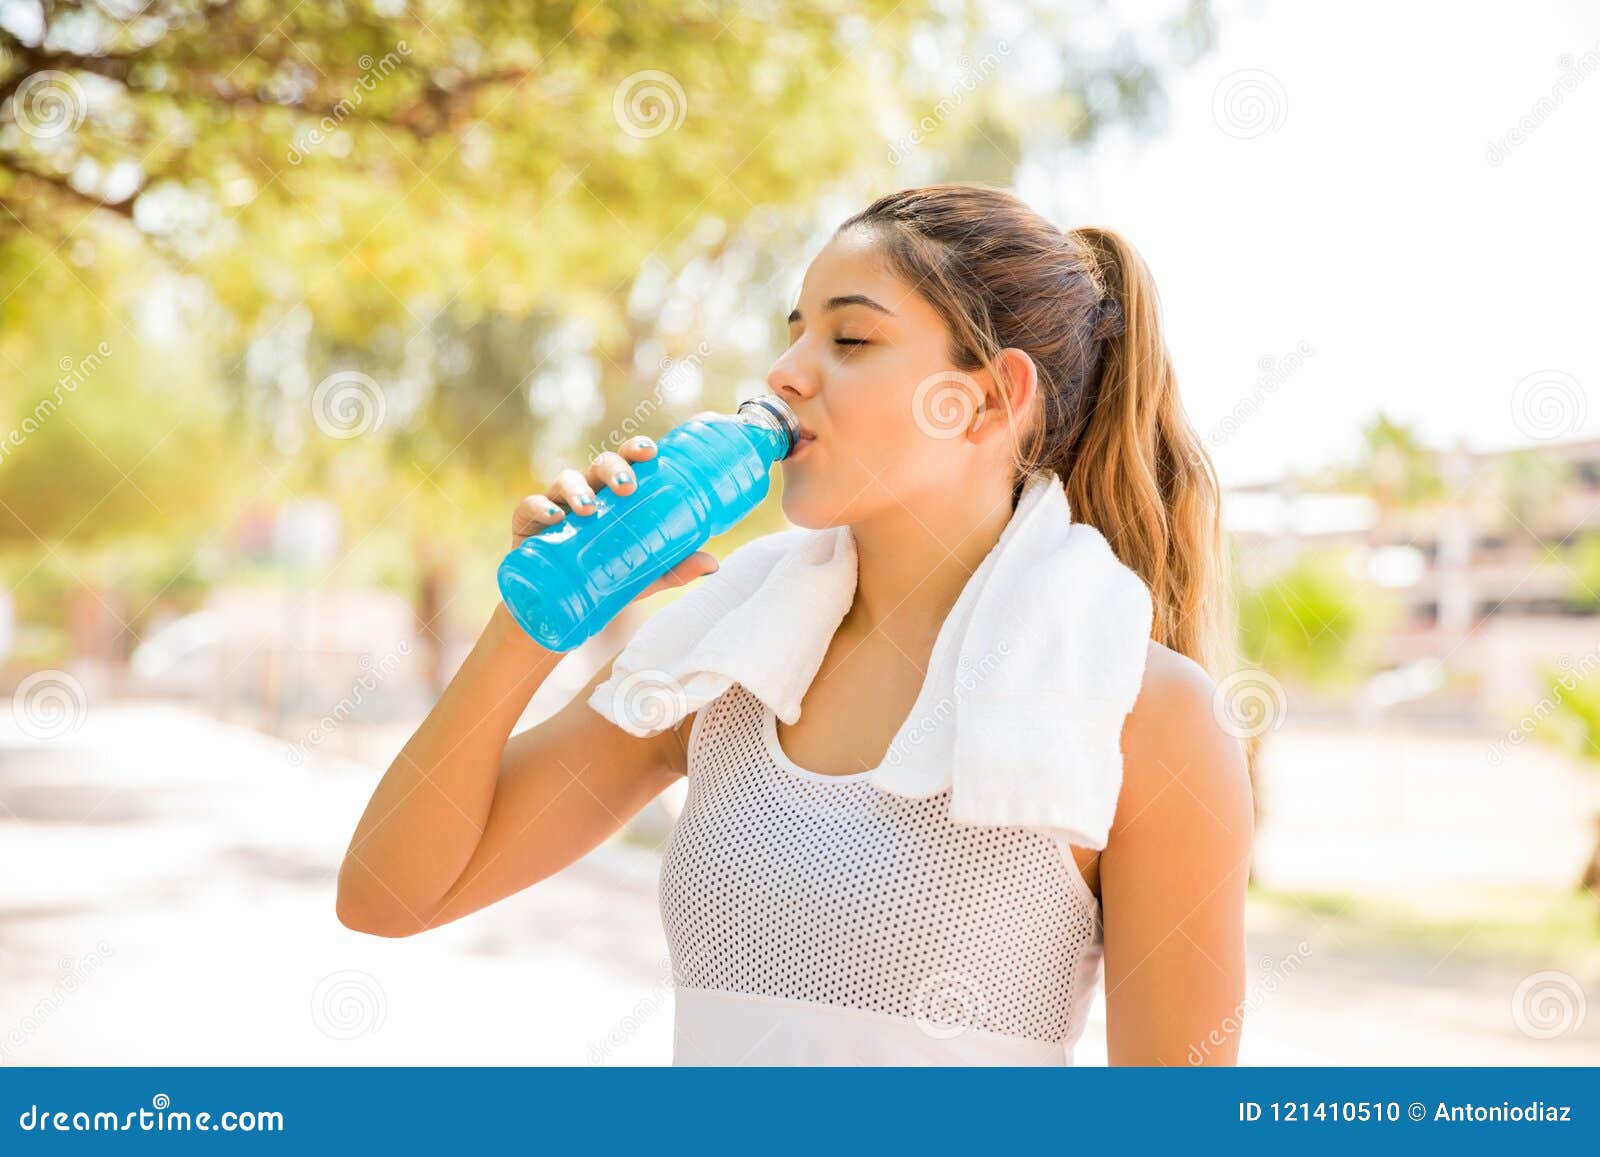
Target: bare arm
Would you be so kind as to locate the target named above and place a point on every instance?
(468, 814)
(1173, 876)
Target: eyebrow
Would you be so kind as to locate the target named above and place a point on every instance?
(834, 303)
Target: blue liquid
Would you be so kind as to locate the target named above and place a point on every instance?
(565, 583)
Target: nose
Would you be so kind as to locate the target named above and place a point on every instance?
(788, 378)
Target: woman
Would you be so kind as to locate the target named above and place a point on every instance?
(1057, 336)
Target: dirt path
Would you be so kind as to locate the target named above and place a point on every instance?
(166, 897)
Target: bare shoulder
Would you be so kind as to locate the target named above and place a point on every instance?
(1174, 874)
(1179, 758)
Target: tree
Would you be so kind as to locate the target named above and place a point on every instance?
(436, 214)
(1395, 469)
(1315, 623)
(1574, 725)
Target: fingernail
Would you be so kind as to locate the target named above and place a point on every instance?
(641, 442)
(552, 510)
(624, 478)
(586, 499)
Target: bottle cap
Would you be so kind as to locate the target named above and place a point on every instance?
(773, 412)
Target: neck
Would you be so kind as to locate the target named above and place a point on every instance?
(913, 559)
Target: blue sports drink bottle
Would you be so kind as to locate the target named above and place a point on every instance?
(563, 584)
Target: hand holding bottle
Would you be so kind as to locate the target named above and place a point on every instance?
(573, 491)
(636, 521)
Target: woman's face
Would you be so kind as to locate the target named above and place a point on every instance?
(868, 372)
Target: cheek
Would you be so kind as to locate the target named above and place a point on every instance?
(906, 424)
(893, 428)
(877, 454)
(874, 405)
(871, 418)
(907, 407)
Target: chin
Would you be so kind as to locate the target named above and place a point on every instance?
(810, 512)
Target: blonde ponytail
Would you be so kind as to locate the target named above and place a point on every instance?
(1083, 306)
(1138, 472)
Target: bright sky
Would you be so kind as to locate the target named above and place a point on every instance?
(1371, 224)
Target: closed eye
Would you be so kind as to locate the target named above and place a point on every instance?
(850, 341)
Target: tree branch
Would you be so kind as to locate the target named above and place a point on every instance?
(61, 187)
(442, 103)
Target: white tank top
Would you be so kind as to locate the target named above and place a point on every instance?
(817, 920)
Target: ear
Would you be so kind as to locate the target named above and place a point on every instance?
(1018, 382)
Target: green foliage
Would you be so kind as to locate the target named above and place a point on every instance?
(507, 153)
(1394, 467)
(1574, 721)
(1535, 925)
(1316, 621)
(492, 214)
(110, 436)
(1527, 482)
(1582, 561)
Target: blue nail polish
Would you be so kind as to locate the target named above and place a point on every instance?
(559, 589)
(624, 478)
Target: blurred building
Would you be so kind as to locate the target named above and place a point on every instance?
(1487, 575)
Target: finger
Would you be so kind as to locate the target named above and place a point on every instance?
(698, 564)
(640, 449)
(533, 514)
(612, 470)
(575, 490)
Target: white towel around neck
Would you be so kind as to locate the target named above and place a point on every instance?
(1030, 679)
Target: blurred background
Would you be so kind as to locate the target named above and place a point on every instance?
(298, 299)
